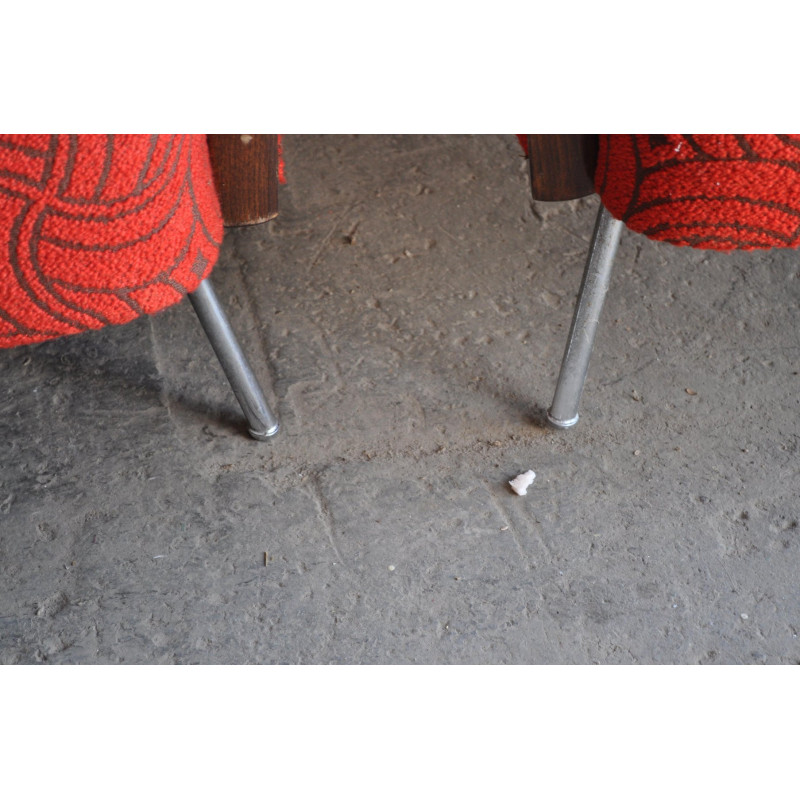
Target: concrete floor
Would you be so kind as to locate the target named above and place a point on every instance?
(408, 311)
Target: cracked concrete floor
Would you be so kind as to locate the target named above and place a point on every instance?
(408, 310)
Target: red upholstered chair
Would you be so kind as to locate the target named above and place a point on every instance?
(99, 229)
(713, 191)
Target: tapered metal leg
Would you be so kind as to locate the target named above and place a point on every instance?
(564, 411)
(263, 423)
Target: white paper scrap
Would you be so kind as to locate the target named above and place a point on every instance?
(521, 483)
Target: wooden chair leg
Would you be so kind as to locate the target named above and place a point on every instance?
(245, 168)
(562, 165)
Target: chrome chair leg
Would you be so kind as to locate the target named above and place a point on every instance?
(563, 412)
(263, 423)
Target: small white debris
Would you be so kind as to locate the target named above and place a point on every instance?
(159, 556)
(521, 483)
(246, 138)
(391, 568)
(504, 528)
(744, 616)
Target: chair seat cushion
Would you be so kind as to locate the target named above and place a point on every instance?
(715, 191)
(100, 229)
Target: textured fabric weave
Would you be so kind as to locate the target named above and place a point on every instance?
(100, 229)
(714, 191)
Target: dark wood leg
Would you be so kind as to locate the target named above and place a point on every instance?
(245, 170)
(562, 165)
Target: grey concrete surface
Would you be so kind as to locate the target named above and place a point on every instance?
(407, 312)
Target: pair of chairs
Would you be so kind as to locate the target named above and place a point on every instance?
(99, 229)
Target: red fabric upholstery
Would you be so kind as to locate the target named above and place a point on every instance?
(281, 161)
(99, 229)
(713, 191)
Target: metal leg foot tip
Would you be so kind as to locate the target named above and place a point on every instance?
(262, 436)
(561, 423)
